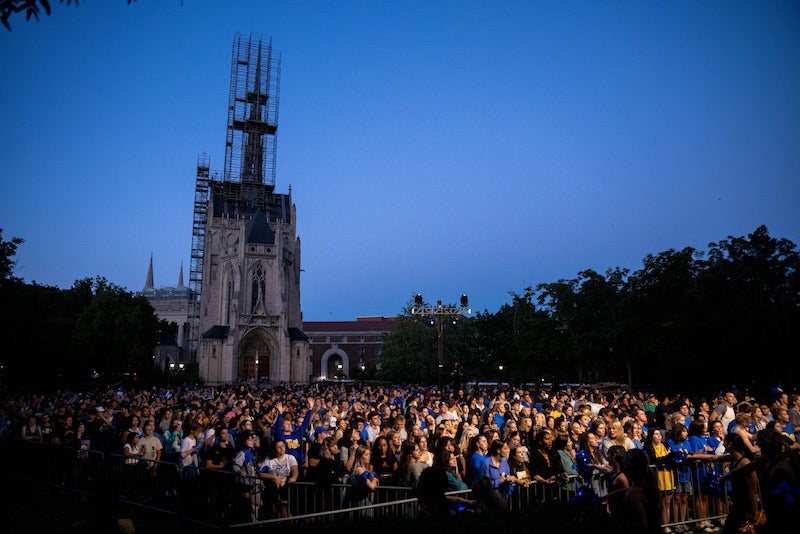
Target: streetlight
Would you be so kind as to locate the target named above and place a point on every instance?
(437, 315)
(256, 366)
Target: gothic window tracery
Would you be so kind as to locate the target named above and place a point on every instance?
(259, 286)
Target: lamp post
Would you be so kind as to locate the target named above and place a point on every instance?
(438, 314)
(256, 373)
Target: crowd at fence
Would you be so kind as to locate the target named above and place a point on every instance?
(258, 452)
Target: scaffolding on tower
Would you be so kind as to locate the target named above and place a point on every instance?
(251, 143)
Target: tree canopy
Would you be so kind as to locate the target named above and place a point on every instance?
(55, 336)
(684, 319)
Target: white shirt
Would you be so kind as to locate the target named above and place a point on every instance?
(282, 467)
(190, 460)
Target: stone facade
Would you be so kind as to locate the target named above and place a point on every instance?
(250, 302)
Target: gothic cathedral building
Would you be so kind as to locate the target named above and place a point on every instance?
(246, 321)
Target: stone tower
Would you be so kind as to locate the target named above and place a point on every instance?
(246, 322)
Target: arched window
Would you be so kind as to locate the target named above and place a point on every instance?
(258, 289)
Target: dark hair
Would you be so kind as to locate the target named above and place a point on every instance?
(560, 443)
(495, 447)
(616, 453)
(735, 442)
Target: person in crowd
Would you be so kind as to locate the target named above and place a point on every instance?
(316, 447)
(616, 480)
(151, 448)
(564, 447)
(362, 481)
(701, 470)
(131, 450)
(294, 439)
(641, 505)
(589, 443)
(133, 424)
(132, 454)
(190, 452)
(448, 462)
(48, 429)
(479, 446)
(165, 420)
(496, 469)
(409, 468)
(633, 430)
(740, 425)
(249, 490)
(782, 416)
(779, 481)
(32, 431)
(616, 436)
(518, 461)
(744, 485)
(65, 430)
(716, 437)
(678, 442)
(173, 438)
(659, 455)
(724, 410)
(347, 446)
(545, 463)
(383, 463)
(284, 466)
(329, 468)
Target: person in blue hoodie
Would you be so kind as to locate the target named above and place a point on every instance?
(294, 437)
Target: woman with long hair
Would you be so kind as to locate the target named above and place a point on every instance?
(446, 461)
(594, 461)
(518, 462)
(383, 462)
(658, 453)
(425, 455)
(362, 481)
(409, 467)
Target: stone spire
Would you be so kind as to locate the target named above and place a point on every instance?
(180, 277)
(149, 282)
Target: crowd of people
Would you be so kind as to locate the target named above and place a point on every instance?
(629, 450)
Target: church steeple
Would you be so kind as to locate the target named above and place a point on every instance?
(148, 284)
(180, 277)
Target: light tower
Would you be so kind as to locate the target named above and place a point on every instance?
(438, 314)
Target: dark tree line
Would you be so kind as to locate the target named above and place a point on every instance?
(55, 336)
(687, 320)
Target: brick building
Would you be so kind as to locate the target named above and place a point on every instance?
(346, 349)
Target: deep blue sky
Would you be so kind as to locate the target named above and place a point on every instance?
(434, 147)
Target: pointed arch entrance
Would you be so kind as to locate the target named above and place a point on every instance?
(254, 356)
(335, 364)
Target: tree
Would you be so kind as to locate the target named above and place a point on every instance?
(117, 331)
(8, 249)
(31, 8)
(751, 304)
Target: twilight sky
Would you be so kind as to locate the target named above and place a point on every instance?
(441, 147)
